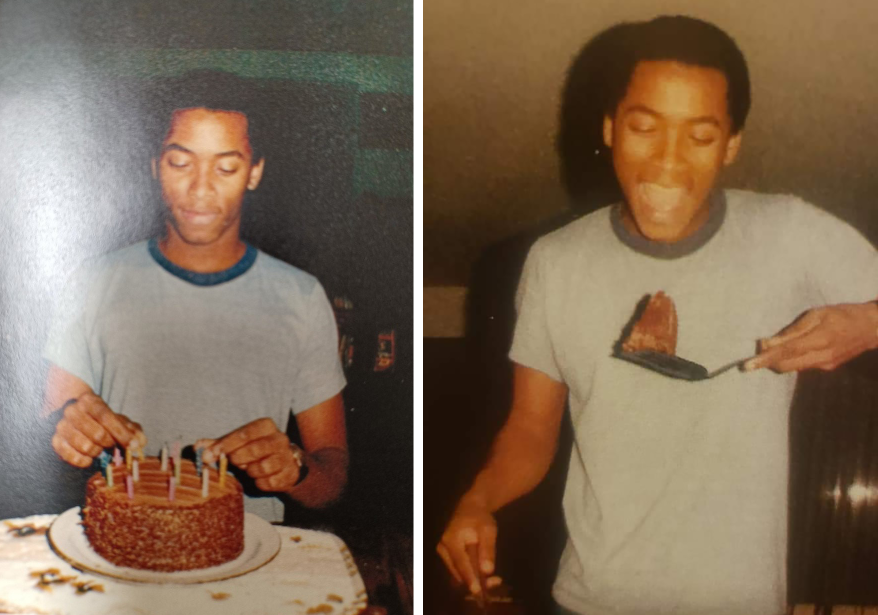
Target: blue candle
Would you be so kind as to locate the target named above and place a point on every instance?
(199, 461)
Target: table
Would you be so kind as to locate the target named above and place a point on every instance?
(314, 573)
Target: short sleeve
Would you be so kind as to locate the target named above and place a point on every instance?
(67, 344)
(532, 340)
(842, 265)
(320, 375)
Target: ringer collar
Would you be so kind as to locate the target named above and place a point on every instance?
(716, 213)
(204, 279)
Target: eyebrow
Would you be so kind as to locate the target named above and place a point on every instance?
(179, 148)
(703, 119)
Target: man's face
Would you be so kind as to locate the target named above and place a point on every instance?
(670, 136)
(204, 169)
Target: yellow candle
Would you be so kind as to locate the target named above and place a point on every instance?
(178, 466)
(128, 458)
(140, 454)
(109, 476)
(224, 465)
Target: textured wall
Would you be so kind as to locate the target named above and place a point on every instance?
(492, 79)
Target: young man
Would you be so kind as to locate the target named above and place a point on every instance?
(676, 491)
(198, 335)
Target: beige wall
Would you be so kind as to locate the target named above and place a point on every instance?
(493, 72)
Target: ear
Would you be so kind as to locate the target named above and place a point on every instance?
(154, 165)
(732, 148)
(608, 131)
(255, 174)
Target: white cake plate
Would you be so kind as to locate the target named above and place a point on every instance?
(67, 538)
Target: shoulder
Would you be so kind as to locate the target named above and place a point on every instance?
(777, 213)
(588, 234)
(103, 268)
(287, 279)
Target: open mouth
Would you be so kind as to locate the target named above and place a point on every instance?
(662, 200)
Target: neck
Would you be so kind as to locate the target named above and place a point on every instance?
(696, 223)
(210, 258)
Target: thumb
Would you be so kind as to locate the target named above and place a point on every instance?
(800, 327)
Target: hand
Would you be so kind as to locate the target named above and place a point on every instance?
(471, 524)
(822, 338)
(88, 427)
(261, 450)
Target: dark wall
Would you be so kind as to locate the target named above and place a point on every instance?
(334, 82)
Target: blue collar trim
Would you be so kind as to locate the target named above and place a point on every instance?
(204, 279)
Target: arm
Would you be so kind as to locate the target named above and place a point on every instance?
(87, 425)
(822, 338)
(520, 458)
(265, 453)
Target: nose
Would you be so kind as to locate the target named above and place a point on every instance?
(669, 153)
(202, 182)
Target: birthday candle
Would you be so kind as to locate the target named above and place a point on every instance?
(117, 457)
(109, 476)
(205, 482)
(140, 454)
(199, 459)
(104, 458)
(178, 467)
(224, 464)
(172, 487)
(128, 458)
(165, 458)
(136, 471)
(177, 452)
(129, 484)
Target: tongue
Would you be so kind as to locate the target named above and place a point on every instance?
(662, 197)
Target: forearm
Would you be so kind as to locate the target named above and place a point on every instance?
(519, 460)
(326, 479)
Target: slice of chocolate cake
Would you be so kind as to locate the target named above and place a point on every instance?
(656, 329)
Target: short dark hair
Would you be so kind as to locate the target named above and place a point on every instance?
(214, 90)
(686, 40)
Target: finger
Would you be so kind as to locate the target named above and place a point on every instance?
(257, 450)
(69, 454)
(242, 436)
(494, 581)
(487, 542)
(205, 445)
(279, 482)
(822, 359)
(800, 346)
(84, 423)
(800, 327)
(79, 441)
(109, 420)
(461, 559)
(449, 564)
(269, 466)
(139, 438)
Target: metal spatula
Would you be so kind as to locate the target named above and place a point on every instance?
(675, 367)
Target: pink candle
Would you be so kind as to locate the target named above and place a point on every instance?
(177, 452)
(172, 488)
(129, 484)
(117, 457)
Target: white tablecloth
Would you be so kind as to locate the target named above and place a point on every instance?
(314, 573)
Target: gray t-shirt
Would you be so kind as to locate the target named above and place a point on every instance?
(676, 496)
(193, 356)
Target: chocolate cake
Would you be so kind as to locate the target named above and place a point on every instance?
(151, 531)
(656, 329)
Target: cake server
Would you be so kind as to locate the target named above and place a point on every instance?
(672, 366)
